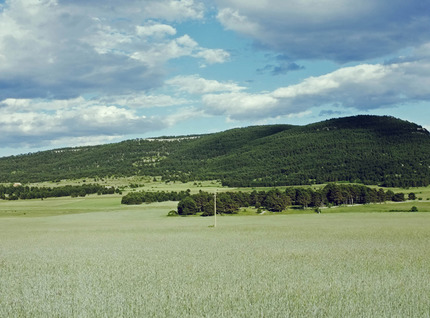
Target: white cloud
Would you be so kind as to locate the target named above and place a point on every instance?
(213, 56)
(172, 10)
(25, 122)
(362, 87)
(358, 75)
(24, 128)
(233, 20)
(183, 115)
(62, 50)
(138, 10)
(239, 105)
(160, 52)
(194, 84)
(143, 101)
(340, 30)
(158, 30)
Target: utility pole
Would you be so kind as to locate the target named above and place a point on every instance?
(215, 209)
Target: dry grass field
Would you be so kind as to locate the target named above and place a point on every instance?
(133, 261)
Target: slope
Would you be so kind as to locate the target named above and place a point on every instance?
(367, 149)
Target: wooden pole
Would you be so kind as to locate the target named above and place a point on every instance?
(215, 209)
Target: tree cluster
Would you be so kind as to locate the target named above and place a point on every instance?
(149, 197)
(274, 200)
(12, 192)
(203, 202)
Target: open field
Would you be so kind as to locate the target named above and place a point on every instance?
(133, 261)
(60, 206)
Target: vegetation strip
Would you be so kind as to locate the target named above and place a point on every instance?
(18, 191)
(273, 200)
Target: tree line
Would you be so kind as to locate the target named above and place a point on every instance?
(274, 200)
(13, 192)
(140, 197)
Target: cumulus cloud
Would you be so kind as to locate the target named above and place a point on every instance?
(143, 101)
(157, 30)
(64, 49)
(156, 54)
(185, 114)
(240, 105)
(212, 56)
(45, 122)
(77, 69)
(77, 120)
(194, 84)
(136, 10)
(362, 87)
(340, 30)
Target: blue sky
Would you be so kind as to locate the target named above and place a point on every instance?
(76, 72)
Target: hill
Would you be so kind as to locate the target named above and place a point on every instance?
(366, 149)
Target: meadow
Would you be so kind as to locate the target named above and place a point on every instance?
(92, 257)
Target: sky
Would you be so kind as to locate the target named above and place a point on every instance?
(87, 72)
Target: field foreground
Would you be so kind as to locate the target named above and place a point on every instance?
(139, 263)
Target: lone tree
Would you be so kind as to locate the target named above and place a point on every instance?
(187, 206)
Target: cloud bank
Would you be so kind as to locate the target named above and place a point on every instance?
(70, 69)
(64, 49)
(340, 30)
(363, 87)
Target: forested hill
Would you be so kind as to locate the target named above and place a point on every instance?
(367, 149)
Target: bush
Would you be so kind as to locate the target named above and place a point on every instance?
(398, 197)
(187, 206)
(172, 213)
(414, 209)
(132, 198)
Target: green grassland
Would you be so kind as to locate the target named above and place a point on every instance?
(59, 206)
(93, 257)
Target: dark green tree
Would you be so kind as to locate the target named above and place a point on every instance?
(276, 200)
(303, 197)
(399, 197)
(187, 206)
(225, 204)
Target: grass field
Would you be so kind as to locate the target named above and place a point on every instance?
(133, 261)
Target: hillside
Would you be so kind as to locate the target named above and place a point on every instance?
(367, 149)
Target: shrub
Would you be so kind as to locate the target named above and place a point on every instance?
(172, 213)
(399, 197)
(187, 206)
